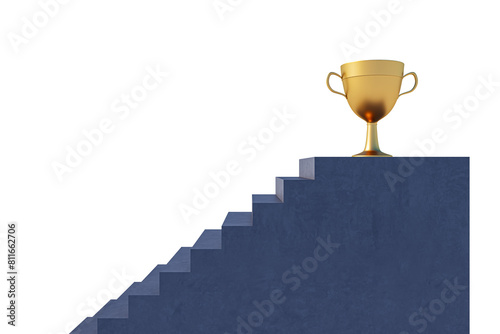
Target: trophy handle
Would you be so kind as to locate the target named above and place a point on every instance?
(330, 88)
(416, 82)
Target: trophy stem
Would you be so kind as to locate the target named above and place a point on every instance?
(371, 147)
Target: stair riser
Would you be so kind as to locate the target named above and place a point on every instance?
(205, 260)
(290, 186)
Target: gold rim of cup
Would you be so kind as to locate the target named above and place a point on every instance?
(372, 68)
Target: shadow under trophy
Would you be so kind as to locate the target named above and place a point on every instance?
(372, 88)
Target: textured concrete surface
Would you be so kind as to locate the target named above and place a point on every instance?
(353, 245)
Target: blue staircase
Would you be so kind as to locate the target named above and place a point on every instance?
(336, 250)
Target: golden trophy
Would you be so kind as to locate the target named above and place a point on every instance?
(372, 88)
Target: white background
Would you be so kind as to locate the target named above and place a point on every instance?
(119, 209)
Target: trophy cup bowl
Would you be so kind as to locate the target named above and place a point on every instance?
(372, 88)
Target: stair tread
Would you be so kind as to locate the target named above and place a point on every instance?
(180, 261)
(209, 239)
(265, 199)
(115, 308)
(292, 178)
(238, 219)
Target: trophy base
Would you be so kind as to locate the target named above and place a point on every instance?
(372, 154)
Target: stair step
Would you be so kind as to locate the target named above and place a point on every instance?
(208, 245)
(265, 209)
(280, 185)
(180, 262)
(307, 168)
(266, 199)
(118, 308)
(87, 326)
(238, 219)
(235, 229)
(115, 308)
(209, 239)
